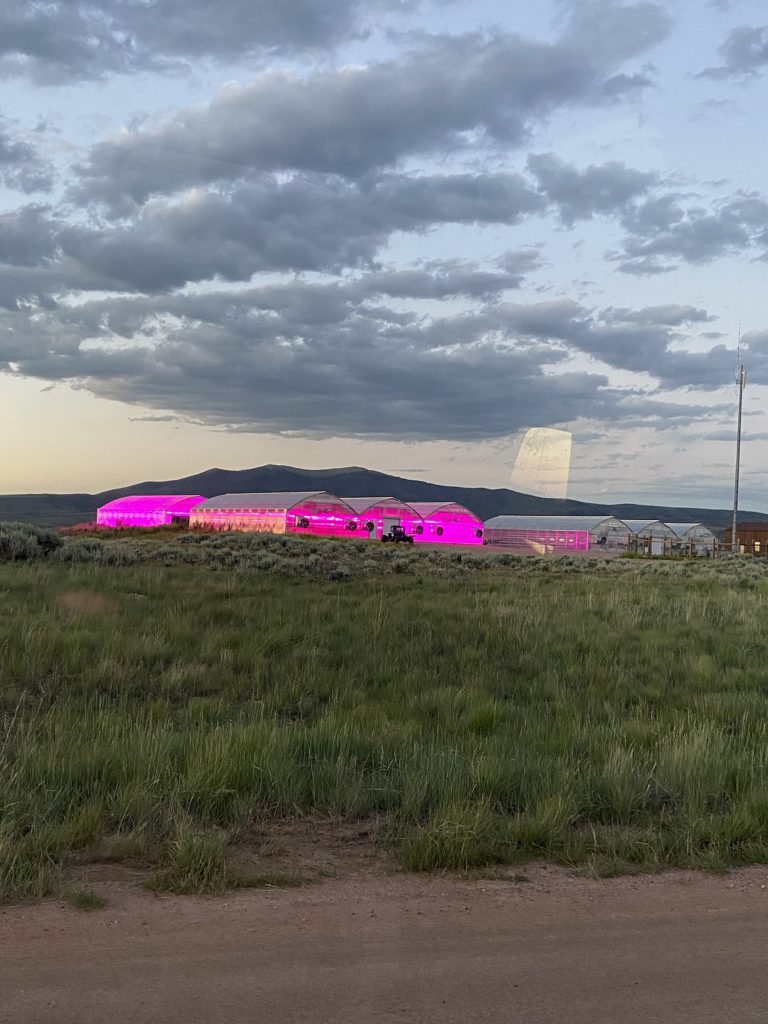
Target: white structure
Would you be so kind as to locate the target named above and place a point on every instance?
(651, 536)
(693, 539)
(552, 534)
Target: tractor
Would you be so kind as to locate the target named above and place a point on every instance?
(397, 535)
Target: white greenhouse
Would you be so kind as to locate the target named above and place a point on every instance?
(558, 534)
(693, 539)
(651, 536)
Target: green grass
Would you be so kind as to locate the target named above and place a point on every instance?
(84, 899)
(610, 717)
(194, 862)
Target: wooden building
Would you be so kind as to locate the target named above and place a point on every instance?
(752, 538)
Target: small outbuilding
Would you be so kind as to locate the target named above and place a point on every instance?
(558, 534)
(752, 538)
(693, 539)
(148, 510)
(444, 522)
(311, 512)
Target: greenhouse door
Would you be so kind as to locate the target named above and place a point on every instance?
(657, 545)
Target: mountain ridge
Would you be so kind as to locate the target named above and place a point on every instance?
(347, 481)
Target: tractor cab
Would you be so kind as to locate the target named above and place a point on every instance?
(397, 535)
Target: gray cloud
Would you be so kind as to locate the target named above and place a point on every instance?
(304, 224)
(669, 315)
(579, 195)
(744, 53)
(326, 360)
(642, 341)
(730, 436)
(28, 235)
(662, 229)
(21, 166)
(34, 266)
(70, 40)
(308, 223)
(301, 307)
(154, 419)
(451, 93)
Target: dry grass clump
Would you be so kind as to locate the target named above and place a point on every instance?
(83, 898)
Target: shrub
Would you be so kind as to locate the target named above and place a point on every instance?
(82, 550)
(24, 542)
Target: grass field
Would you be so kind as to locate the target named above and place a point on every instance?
(613, 716)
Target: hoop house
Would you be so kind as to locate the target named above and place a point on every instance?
(693, 539)
(552, 534)
(375, 516)
(147, 510)
(651, 535)
(311, 512)
(444, 522)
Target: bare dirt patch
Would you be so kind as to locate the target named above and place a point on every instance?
(312, 849)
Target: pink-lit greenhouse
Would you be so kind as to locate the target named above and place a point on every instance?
(147, 510)
(311, 512)
(317, 513)
(376, 516)
(444, 522)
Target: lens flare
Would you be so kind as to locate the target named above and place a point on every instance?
(543, 464)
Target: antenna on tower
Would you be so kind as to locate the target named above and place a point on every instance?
(741, 381)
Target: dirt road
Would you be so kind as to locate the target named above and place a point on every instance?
(554, 949)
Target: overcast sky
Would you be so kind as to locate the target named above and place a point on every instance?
(390, 233)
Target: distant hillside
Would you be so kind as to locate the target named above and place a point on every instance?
(352, 481)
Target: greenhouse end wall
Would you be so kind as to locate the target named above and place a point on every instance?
(540, 542)
(142, 510)
(319, 520)
(451, 524)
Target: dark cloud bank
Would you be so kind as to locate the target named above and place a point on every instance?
(313, 175)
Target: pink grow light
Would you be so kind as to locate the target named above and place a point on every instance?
(315, 513)
(147, 510)
(444, 523)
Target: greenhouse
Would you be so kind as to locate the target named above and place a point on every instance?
(552, 534)
(376, 516)
(693, 539)
(444, 522)
(311, 512)
(147, 510)
(650, 536)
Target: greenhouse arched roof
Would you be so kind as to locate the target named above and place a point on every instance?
(271, 500)
(568, 524)
(136, 503)
(362, 505)
(428, 508)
